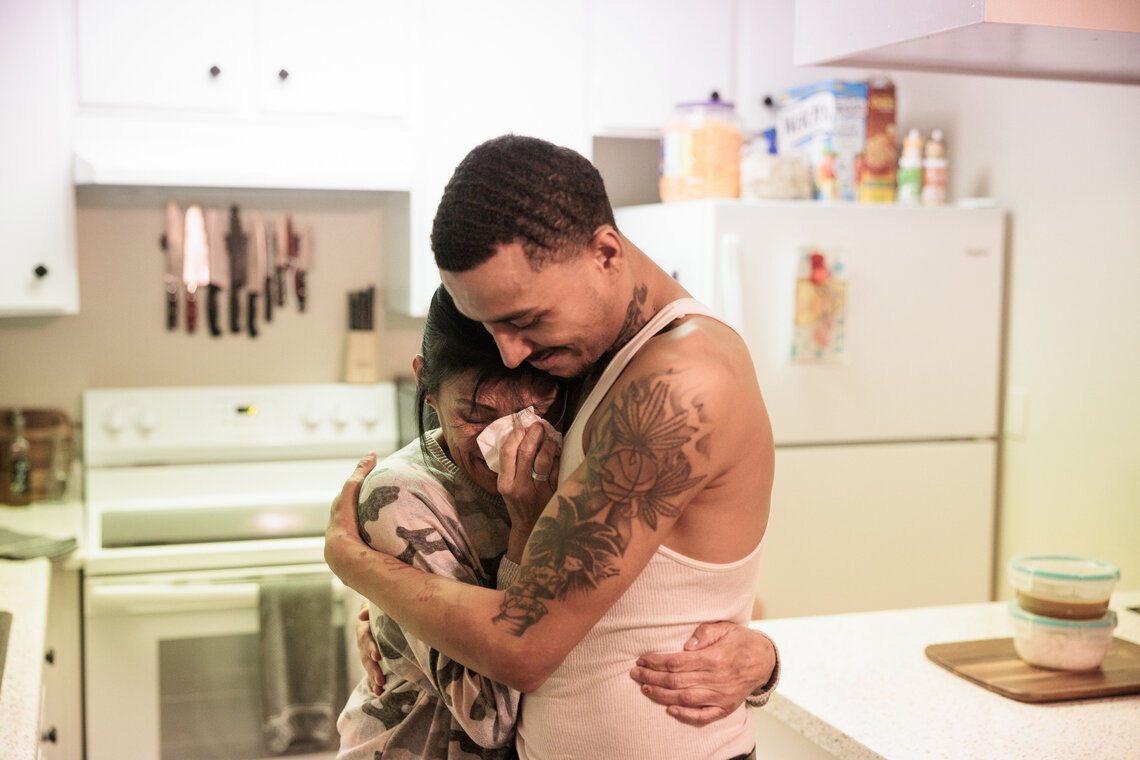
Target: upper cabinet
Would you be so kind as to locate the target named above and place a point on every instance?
(645, 56)
(38, 273)
(1090, 40)
(264, 93)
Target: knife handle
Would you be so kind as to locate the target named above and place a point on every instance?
(191, 311)
(212, 309)
(171, 308)
(302, 289)
(253, 313)
(235, 311)
(268, 299)
(280, 285)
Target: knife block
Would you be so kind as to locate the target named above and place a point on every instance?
(361, 357)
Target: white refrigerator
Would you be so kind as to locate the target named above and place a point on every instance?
(877, 334)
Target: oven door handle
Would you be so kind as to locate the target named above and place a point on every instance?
(168, 598)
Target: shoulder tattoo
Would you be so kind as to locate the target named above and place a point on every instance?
(637, 469)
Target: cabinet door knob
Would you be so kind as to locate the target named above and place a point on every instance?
(283, 74)
(40, 271)
(214, 71)
(49, 656)
(49, 735)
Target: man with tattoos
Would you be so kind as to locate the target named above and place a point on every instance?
(664, 483)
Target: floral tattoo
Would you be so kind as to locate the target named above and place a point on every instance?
(636, 472)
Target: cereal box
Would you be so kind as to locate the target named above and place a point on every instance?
(825, 123)
(876, 169)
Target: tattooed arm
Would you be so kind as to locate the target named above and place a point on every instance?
(669, 429)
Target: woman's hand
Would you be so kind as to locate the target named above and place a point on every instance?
(342, 536)
(722, 664)
(369, 652)
(528, 477)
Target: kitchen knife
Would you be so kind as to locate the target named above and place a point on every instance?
(195, 263)
(255, 264)
(172, 243)
(266, 267)
(281, 265)
(302, 262)
(219, 268)
(236, 243)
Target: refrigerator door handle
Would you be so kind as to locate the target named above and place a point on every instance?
(727, 296)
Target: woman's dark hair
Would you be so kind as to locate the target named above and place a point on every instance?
(513, 188)
(452, 345)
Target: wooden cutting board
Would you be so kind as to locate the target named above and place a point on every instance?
(993, 664)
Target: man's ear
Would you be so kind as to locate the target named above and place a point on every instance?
(607, 250)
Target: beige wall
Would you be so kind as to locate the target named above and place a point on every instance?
(119, 339)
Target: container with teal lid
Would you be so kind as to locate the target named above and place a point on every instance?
(1062, 586)
(1059, 644)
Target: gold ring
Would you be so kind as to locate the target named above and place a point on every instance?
(540, 478)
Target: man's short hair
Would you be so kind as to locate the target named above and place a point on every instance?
(513, 188)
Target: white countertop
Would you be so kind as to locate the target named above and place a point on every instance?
(861, 687)
(23, 592)
(24, 587)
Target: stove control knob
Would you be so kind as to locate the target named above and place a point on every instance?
(113, 421)
(369, 417)
(311, 418)
(146, 421)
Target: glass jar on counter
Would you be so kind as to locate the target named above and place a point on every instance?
(700, 152)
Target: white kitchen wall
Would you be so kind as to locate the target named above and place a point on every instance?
(1064, 159)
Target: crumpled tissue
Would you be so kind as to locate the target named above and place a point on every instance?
(491, 439)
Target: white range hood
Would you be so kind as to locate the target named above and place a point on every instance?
(186, 152)
(1087, 40)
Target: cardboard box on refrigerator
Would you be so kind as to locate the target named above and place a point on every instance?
(825, 123)
(876, 167)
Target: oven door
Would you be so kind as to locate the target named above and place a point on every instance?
(178, 666)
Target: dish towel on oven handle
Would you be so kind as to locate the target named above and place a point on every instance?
(298, 668)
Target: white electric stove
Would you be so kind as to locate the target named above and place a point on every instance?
(196, 498)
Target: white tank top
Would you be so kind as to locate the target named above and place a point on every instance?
(590, 707)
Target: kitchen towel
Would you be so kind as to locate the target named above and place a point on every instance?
(298, 669)
(14, 545)
(491, 439)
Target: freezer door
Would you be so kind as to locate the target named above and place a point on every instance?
(871, 527)
(922, 309)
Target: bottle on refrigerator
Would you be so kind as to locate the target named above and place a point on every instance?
(910, 169)
(19, 463)
(934, 170)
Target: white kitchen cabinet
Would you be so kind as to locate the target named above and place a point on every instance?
(482, 70)
(61, 720)
(253, 93)
(38, 272)
(134, 53)
(251, 57)
(1093, 40)
(645, 56)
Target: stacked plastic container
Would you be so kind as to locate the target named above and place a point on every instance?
(1060, 615)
